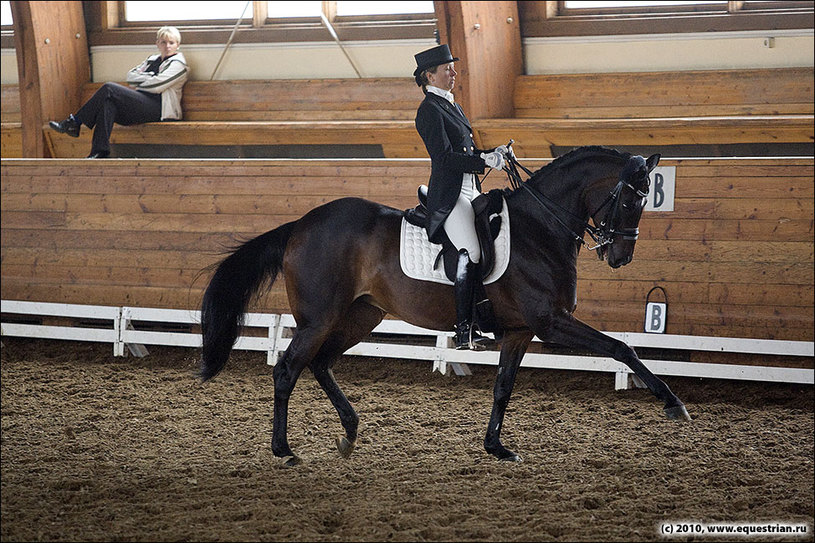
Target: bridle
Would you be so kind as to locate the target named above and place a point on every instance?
(602, 234)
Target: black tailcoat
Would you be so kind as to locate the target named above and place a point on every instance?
(448, 138)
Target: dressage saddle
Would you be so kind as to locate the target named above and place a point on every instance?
(487, 208)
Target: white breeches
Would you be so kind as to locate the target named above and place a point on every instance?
(460, 223)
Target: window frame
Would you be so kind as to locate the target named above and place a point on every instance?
(778, 6)
(538, 20)
(553, 19)
(107, 26)
(640, 11)
(7, 36)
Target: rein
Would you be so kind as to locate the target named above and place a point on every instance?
(602, 235)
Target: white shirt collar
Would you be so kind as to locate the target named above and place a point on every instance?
(447, 95)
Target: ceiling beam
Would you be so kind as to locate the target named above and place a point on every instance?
(486, 37)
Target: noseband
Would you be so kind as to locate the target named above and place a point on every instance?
(609, 226)
(604, 233)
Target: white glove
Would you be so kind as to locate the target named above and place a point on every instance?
(494, 160)
(503, 149)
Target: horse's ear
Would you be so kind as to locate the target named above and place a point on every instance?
(652, 161)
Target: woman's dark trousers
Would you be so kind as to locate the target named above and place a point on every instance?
(114, 103)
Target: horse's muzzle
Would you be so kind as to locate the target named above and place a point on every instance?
(620, 263)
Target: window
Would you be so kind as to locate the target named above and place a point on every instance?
(142, 11)
(641, 7)
(578, 18)
(382, 8)
(293, 9)
(5, 15)
(180, 11)
(646, 7)
(126, 22)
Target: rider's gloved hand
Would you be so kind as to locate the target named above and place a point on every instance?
(494, 160)
(503, 149)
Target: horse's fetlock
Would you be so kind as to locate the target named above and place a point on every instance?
(282, 451)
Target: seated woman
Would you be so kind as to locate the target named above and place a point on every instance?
(155, 96)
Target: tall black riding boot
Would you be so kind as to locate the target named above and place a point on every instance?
(467, 337)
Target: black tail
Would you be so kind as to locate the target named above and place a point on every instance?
(239, 278)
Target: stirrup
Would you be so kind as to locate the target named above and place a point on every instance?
(477, 341)
(472, 339)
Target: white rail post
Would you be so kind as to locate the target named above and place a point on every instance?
(274, 332)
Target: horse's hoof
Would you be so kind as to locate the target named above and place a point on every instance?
(345, 446)
(504, 455)
(511, 458)
(292, 461)
(677, 413)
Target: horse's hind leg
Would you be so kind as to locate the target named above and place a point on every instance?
(304, 345)
(358, 323)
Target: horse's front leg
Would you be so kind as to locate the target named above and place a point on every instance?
(513, 348)
(566, 330)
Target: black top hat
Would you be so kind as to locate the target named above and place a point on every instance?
(433, 57)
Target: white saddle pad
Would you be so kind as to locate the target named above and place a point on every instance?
(417, 255)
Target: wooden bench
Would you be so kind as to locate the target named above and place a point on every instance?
(760, 106)
(278, 112)
(641, 110)
(735, 255)
(11, 132)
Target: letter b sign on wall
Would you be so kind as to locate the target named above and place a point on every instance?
(663, 185)
(656, 313)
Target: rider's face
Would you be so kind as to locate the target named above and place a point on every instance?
(444, 77)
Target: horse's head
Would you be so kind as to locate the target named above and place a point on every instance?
(618, 213)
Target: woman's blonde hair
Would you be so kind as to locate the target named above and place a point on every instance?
(169, 32)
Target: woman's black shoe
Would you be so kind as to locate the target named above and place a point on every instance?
(99, 154)
(69, 126)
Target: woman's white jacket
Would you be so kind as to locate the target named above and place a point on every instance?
(171, 76)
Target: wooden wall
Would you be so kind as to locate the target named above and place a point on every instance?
(53, 64)
(735, 257)
(11, 132)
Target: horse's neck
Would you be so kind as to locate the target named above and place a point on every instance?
(566, 195)
(569, 186)
(560, 212)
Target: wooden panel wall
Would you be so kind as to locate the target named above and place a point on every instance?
(767, 91)
(394, 98)
(11, 132)
(10, 103)
(53, 63)
(735, 257)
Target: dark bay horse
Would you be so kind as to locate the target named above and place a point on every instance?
(340, 263)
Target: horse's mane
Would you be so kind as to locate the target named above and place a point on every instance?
(577, 154)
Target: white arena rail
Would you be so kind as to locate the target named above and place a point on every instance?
(397, 339)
